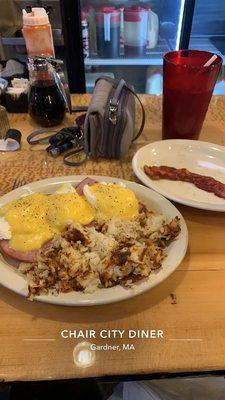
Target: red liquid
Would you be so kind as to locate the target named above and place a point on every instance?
(187, 90)
(184, 113)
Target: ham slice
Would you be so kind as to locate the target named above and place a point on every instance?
(23, 256)
(86, 181)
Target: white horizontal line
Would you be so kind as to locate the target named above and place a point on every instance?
(38, 340)
(188, 340)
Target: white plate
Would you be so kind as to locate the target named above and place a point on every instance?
(11, 279)
(199, 157)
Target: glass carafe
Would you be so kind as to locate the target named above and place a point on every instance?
(46, 103)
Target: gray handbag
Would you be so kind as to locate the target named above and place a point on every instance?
(109, 127)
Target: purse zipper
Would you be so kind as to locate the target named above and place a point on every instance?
(114, 119)
(107, 126)
(113, 109)
(114, 103)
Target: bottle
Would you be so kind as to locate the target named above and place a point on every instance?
(135, 31)
(89, 10)
(37, 33)
(46, 102)
(220, 87)
(154, 81)
(108, 32)
(85, 34)
(153, 29)
(121, 8)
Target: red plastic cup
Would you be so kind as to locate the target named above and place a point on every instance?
(187, 91)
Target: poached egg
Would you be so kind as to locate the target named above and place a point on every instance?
(112, 200)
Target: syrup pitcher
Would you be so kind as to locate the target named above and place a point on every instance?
(49, 96)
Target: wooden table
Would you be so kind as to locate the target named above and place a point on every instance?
(188, 306)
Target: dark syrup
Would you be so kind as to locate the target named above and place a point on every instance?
(46, 103)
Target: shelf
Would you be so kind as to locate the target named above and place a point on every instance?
(154, 57)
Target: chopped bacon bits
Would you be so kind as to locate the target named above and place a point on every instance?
(73, 235)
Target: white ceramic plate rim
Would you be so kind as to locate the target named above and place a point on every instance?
(150, 183)
(17, 283)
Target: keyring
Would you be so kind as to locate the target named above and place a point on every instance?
(73, 153)
(38, 132)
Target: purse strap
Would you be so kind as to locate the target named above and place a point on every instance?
(143, 113)
(77, 152)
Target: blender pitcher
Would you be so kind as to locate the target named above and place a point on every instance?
(135, 31)
(108, 32)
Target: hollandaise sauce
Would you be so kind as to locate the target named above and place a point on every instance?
(34, 219)
(113, 200)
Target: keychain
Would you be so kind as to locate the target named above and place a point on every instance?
(61, 141)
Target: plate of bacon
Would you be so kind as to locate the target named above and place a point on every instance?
(185, 171)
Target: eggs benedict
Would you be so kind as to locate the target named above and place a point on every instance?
(33, 220)
(28, 223)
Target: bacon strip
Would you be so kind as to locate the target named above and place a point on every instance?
(203, 182)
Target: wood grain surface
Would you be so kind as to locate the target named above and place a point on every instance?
(188, 306)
